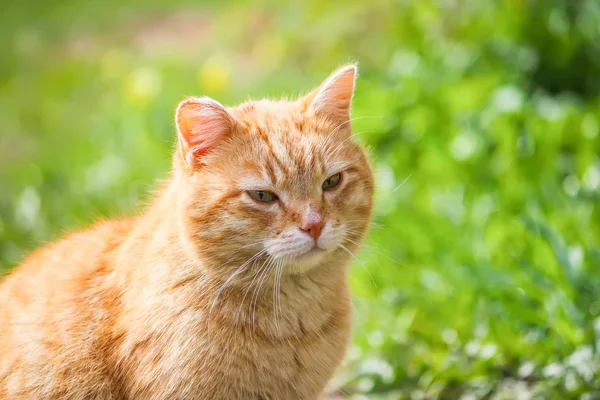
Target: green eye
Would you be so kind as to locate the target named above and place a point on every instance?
(262, 196)
(331, 182)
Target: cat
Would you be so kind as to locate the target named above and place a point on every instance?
(232, 284)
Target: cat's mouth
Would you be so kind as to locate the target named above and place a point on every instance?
(314, 250)
(302, 256)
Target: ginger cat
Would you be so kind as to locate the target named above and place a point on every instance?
(231, 285)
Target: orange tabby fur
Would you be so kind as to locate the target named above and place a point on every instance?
(170, 304)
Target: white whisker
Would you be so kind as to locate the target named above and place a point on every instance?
(344, 123)
(361, 264)
(258, 273)
(403, 182)
(276, 291)
(252, 244)
(339, 146)
(237, 272)
(261, 282)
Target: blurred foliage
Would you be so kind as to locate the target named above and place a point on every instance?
(482, 118)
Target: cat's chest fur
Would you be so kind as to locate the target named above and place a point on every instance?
(237, 349)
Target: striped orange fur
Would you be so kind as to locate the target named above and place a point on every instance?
(212, 292)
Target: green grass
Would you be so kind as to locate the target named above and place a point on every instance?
(483, 122)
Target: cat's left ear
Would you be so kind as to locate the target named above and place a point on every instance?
(333, 98)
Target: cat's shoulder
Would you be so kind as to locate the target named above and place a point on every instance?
(77, 251)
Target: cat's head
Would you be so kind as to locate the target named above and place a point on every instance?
(280, 181)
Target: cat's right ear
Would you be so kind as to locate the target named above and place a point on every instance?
(202, 123)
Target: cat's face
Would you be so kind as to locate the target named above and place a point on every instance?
(282, 182)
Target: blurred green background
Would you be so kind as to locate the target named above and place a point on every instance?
(483, 122)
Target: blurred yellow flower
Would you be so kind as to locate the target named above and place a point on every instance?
(215, 74)
(114, 63)
(142, 85)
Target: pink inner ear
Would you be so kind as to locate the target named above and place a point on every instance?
(335, 95)
(202, 124)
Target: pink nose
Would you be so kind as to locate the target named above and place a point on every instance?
(312, 224)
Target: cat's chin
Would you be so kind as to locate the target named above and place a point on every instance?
(305, 262)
